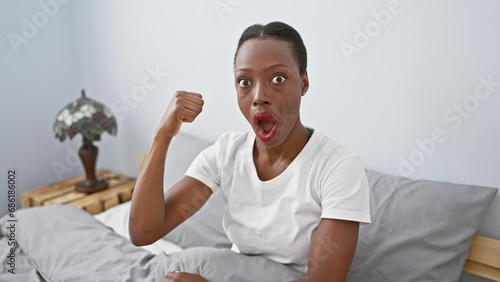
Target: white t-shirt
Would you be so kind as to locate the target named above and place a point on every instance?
(277, 218)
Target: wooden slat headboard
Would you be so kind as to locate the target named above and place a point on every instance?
(484, 258)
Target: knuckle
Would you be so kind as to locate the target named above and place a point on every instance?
(178, 101)
(178, 93)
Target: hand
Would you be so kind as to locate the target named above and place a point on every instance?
(184, 107)
(182, 277)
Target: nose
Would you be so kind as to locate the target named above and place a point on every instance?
(260, 97)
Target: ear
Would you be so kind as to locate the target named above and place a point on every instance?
(305, 84)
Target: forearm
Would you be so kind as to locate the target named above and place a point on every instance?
(147, 212)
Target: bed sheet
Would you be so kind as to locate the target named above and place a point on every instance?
(15, 266)
(61, 243)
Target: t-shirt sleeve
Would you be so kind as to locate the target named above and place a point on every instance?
(345, 193)
(204, 167)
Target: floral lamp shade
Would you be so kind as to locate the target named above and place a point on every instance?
(91, 119)
(85, 116)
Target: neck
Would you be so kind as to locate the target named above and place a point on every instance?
(287, 150)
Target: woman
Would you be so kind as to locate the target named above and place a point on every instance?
(292, 195)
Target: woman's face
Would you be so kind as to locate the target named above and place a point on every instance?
(269, 88)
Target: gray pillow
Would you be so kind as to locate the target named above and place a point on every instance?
(420, 231)
(204, 228)
(65, 243)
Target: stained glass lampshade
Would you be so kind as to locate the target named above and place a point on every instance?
(91, 119)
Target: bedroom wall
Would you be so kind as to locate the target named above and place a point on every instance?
(39, 70)
(414, 101)
(410, 97)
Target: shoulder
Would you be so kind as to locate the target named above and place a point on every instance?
(232, 137)
(332, 154)
(233, 140)
(229, 144)
(216, 158)
(334, 164)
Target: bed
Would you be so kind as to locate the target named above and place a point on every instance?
(421, 231)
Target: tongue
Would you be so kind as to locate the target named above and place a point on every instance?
(267, 126)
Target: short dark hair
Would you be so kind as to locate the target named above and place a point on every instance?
(279, 31)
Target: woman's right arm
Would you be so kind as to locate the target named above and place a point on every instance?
(153, 214)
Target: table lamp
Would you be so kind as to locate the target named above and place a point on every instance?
(89, 118)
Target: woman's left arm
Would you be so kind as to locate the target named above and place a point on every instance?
(332, 250)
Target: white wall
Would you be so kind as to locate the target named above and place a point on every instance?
(35, 82)
(427, 58)
(392, 94)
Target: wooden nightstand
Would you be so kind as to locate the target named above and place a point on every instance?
(119, 191)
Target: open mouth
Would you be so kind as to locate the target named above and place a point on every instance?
(265, 125)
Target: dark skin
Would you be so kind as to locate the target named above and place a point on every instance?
(258, 66)
(267, 79)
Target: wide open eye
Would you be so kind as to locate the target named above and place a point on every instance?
(244, 83)
(278, 79)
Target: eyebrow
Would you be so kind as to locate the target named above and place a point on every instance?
(266, 69)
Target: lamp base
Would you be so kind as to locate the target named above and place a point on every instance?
(91, 186)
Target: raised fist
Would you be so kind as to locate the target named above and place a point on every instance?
(184, 107)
